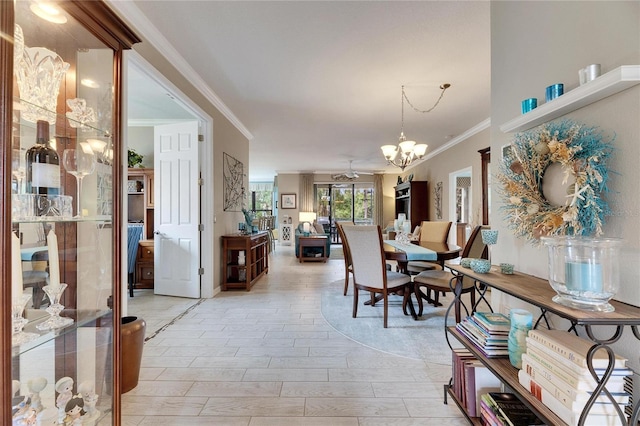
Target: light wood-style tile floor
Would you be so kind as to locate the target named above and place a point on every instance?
(268, 358)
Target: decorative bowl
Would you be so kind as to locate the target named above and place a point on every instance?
(506, 268)
(480, 266)
(465, 262)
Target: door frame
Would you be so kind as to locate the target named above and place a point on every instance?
(205, 126)
(467, 171)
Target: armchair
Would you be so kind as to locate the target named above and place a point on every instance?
(316, 229)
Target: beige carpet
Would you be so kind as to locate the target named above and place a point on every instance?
(422, 339)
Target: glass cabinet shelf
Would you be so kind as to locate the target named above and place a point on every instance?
(35, 316)
(73, 124)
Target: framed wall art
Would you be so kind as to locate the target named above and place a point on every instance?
(288, 201)
(233, 173)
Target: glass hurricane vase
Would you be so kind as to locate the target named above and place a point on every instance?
(584, 271)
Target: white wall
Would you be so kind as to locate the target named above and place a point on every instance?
(535, 44)
(140, 139)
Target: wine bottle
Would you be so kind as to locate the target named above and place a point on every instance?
(43, 164)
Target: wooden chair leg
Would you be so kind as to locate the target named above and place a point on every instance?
(386, 307)
(346, 283)
(355, 301)
(418, 293)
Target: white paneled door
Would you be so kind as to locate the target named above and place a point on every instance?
(177, 210)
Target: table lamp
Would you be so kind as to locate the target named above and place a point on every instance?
(306, 218)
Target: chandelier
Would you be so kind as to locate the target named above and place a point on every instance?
(407, 151)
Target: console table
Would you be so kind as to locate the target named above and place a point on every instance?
(539, 293)
(243, 275)
(318, 241)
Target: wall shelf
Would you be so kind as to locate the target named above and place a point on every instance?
(606, 85)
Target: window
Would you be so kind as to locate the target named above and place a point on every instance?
(261, 198)
(344, 202)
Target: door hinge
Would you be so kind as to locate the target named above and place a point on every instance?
(201, 227)
(200, 271)
(200, 181)
(200, 138)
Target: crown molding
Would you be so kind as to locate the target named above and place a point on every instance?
(131, 13)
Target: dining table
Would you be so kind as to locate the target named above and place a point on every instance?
(429, 251)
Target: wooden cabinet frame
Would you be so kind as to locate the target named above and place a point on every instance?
(99, 20)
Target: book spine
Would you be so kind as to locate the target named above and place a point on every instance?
(571, 416)
(495, 410)
(569, 384)
(566, 363)
(487, 351)
(469, 401)
(572, 398)
(577, 357)
(472, 328)
(488, 415)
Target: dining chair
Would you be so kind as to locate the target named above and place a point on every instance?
(439, 280)
(432, 231)
(348, 269)
(369, 268)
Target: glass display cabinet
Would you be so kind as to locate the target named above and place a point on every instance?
(60, 94)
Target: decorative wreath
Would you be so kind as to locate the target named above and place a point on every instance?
(583, 153)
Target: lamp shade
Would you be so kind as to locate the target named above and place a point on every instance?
(420, 149)
(389, 151)
(307, 216)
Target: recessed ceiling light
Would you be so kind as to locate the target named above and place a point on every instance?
(87, 82)
(49, 12)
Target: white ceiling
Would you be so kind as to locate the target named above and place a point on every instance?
(317, 84)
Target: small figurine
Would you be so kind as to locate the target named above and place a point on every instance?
(21, 410)
(86, 389)
(74, 410)
(64, 388)
(36, 386)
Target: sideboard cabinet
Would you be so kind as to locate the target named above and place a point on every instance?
(60, 80)
(608, 327)
(245, 259)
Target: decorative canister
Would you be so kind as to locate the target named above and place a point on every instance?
(584, 271)
(521, 323)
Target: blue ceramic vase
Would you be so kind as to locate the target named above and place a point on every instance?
(521, 323)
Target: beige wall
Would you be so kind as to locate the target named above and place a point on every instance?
(141, 140)
(535, 44)
(226, 138)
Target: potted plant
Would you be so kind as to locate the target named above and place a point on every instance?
(134, 158)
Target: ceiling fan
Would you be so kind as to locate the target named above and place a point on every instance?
(349, 174)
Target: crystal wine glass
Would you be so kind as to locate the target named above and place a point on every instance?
(79, 162)
(17, 167)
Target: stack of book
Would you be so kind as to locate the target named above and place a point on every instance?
(488, 331)
(554, 370)
(471, 379)
(505, 409)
